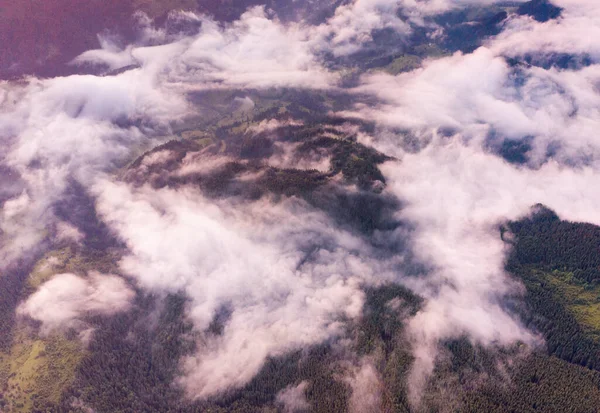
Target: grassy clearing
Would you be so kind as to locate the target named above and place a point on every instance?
(581, 299)
(404, 63)
(36, 371)
(50, 264)
(197, 134)
(67, 260)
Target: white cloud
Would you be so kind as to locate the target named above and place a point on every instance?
(254, 51)
(68, 232)
(286, 156)
(456, 196)
(575, 32)
(479, 93)
(257, 261)
(62, 129)
(456, 192)
(65, 300)
(272, 125)
(245, 258)
(433, 7)
(366, 386)
(352, 25)
(293, 398)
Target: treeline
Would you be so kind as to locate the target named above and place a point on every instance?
(548, 243)
(133, 362)
(565, 377)
(544, 243)
(539, 384)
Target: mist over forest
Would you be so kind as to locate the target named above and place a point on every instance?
(299, 206)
